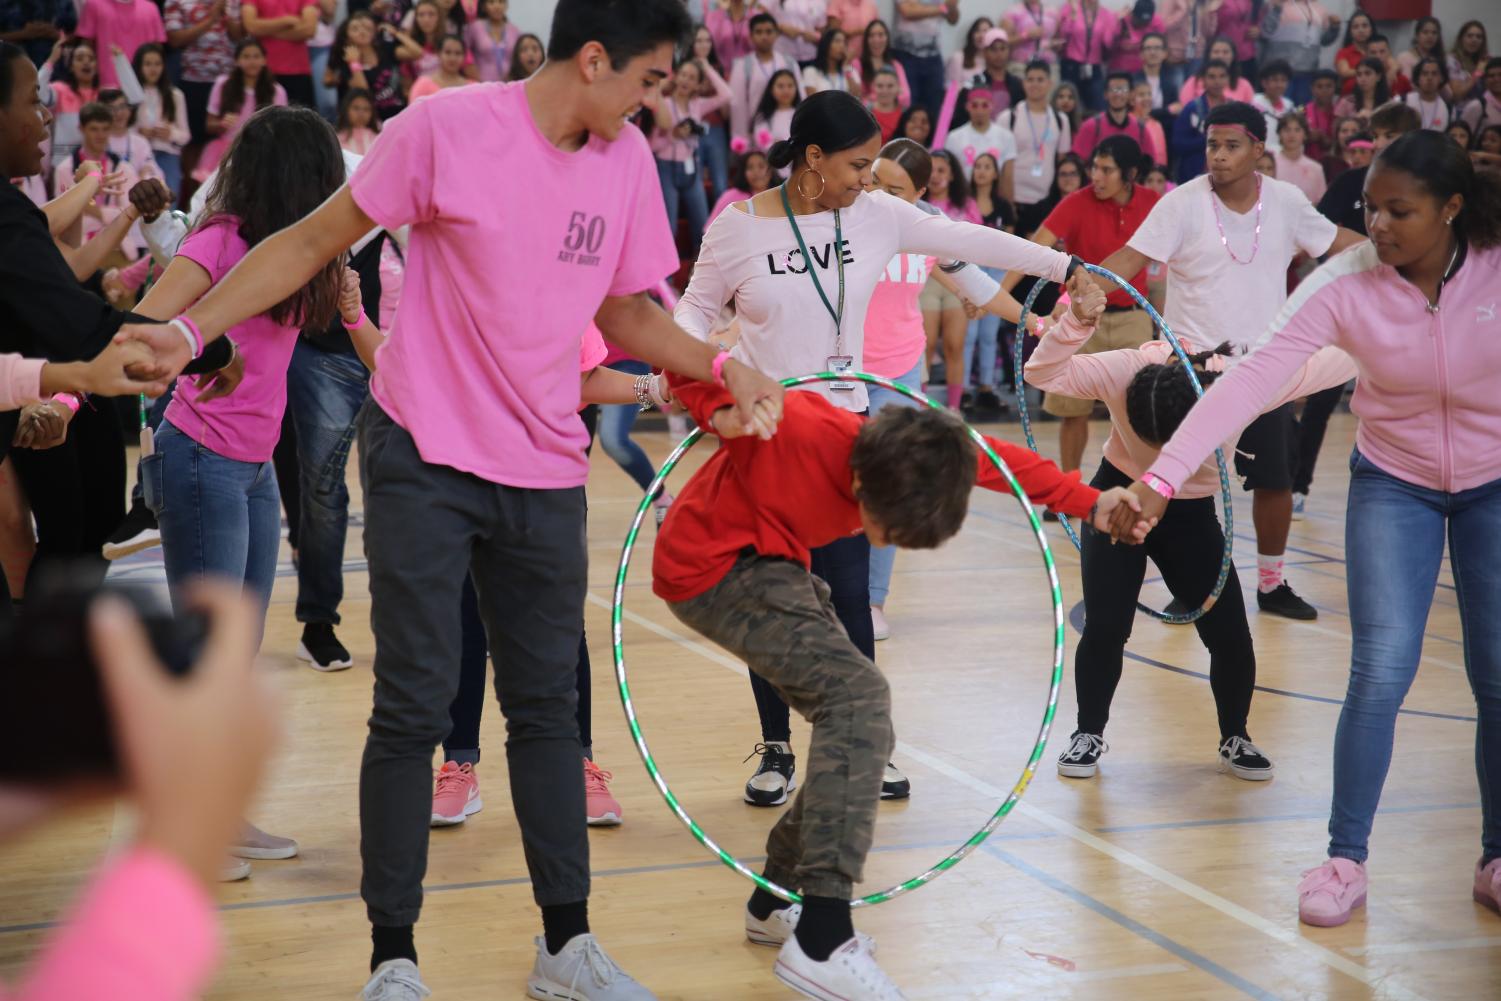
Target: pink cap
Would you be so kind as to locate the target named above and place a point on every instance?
(992, 36)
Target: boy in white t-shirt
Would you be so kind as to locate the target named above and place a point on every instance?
(983, 134)
(1273, 102)
(1227, 238)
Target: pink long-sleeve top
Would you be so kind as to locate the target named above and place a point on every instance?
(749, 77)
(785, 330)
(1056, 368)
(669, 113)
(144, 931)
(1427, 401)
(20, 381)
(1087, 36)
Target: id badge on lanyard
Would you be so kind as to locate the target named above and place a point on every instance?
(838, 363)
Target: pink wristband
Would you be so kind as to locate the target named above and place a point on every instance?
(191, 332)
(718, 367)
(1158, 485)
(357, 324)
(68, 400)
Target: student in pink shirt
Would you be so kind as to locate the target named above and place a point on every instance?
(875, 55)
(209, 479)
(749, 176)
(128, 24)
(729, 22)
(192, 756)
(852, 17)
(96, 122)
(1125, 51)
(1294, 165)
(751, 74)
(475, 399)
(491, 39)
(1239, 89)
(284, 28)
(450, 69)
(1033, 29)
(1416, 310)
(358, 127)
(1087, 30)
(234, 100)
(680, 127)
(1148, 393)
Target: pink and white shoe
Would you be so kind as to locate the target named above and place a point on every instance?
(1488, 884)
(1328, 894)
(602, 809)
(456, 795)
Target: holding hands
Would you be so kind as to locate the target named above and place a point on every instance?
(1121, 514)
(1086, 298)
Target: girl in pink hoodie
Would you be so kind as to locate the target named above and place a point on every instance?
(1148, 394)
(1417, 310)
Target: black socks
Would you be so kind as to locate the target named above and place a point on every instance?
(561, 922)
(762, 904)
(391, 943)
(825, 925)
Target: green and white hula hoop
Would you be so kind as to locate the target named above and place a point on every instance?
(1054, 683)
(1219, 453)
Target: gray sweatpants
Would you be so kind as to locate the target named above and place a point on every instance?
(426, 526)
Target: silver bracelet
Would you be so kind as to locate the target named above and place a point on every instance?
(643, 388)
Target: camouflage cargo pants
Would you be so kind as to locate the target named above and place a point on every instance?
(778, 618)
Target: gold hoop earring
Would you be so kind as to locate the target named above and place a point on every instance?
(822, 183)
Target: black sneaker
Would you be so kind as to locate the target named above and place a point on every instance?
(775, 777)
(1244, 760)
(1082, 759)
(137, 532)
(894, 784)
(322, 649)
(989, 405)
(1285, 602)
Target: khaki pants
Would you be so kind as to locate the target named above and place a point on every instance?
(1125, 329)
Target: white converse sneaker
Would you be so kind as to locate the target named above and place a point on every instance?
(850, 972)
(395, 980)
(778, 928)
(581, 972)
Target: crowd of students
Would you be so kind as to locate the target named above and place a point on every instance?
(319, 222)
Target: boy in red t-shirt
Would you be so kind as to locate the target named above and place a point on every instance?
(732, 562)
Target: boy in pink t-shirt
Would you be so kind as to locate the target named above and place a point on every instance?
(128, 24)
(471, 449)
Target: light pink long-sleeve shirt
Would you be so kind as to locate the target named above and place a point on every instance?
(785, 330)
(1427, 399)
(748, 79)
(669, 114)
(144, 931)
(20, 381)
(1056, 368)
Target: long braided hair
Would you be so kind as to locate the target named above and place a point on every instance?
(1160, 396)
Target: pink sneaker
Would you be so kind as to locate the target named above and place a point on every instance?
(456, 796)
(1488, 884)
(602, 809)
(1328, 894)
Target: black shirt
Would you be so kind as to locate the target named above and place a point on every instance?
(1344, 203)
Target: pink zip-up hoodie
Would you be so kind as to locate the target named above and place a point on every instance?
(1429, 395)
(144, 931)
(1056, 368)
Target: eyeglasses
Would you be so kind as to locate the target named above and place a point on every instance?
(1118, 90)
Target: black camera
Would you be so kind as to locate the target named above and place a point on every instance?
(696, 127)
(57, 721)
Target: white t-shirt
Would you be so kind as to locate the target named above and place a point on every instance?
(1039, 137)
(967, 144)
(785, 329)
(1273, 116)
(1210, 297)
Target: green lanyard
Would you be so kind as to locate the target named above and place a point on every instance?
(838, 252)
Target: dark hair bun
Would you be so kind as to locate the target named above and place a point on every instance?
(780, 155)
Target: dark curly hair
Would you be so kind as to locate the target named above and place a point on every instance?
(1160, 396)
(916, 467)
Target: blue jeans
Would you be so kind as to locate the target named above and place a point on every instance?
(328, 99)
(171, 166)
(1092, 89)
(1394, 541)
(615, 423)
(325, 390)
(1300, 88)
(883, 558)
(219, 517)
(685, 189)
(714, 156)
(925, 77)
(983, 331)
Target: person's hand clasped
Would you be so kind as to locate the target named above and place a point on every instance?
(151, 198)
(1086, 299)
(168, 354)
(42, 425)
(758, 399)
(351, 305)
(1119, 514)
(1150, 507)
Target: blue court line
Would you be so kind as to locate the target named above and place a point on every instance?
(1138, 929)
(1184, 825)
(1076, 619)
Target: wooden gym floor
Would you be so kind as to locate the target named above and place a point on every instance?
(1159, 879)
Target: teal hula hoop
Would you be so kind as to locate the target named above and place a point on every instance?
(633, 722)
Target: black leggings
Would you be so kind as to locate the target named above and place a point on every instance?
(1309, 436)
(76, 491)
(1186, 546)
(845, 566)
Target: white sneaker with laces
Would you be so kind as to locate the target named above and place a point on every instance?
(581, 972)
(395, 980)
(849, 973)
(778, 928)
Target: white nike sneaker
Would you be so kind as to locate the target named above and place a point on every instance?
(581, 972)
(850, 972)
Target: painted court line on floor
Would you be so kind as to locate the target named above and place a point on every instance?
(1381, 988)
